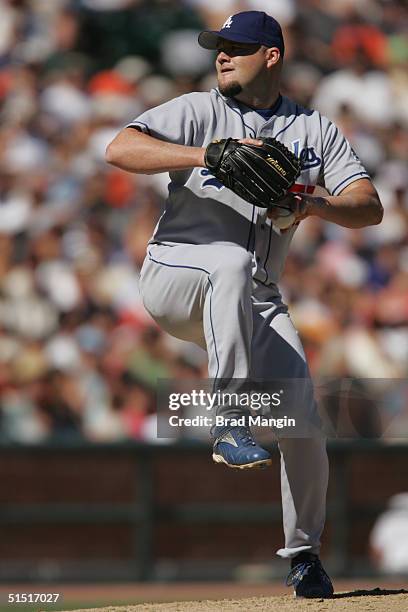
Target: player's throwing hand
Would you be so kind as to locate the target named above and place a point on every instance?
(290, 210)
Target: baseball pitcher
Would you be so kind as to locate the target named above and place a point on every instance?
(244, 162)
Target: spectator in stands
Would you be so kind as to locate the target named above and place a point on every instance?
(389, 537)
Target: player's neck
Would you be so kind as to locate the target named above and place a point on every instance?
(261, 94)
(258, 101)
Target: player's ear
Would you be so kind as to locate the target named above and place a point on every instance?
(272, 56)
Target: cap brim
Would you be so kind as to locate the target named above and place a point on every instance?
(210, 39)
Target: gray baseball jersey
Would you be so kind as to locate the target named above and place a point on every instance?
(200, 210)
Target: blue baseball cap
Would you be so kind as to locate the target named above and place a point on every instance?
(247, 27)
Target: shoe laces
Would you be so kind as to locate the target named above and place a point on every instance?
(245, 436)
(296, 573)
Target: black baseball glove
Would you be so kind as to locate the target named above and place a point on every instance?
(260, 174)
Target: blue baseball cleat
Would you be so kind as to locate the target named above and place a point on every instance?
(236, 448)
(308, 577)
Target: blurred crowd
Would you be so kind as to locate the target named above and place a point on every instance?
(78, 354)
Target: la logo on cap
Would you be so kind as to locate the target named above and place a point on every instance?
(228, 23)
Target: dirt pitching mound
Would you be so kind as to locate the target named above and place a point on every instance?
(376, 600)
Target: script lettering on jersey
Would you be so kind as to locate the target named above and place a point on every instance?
(211, 181)
(308, 155)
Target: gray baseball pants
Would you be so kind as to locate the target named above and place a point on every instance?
(206, 294)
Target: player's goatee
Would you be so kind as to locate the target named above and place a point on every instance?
(231, 90)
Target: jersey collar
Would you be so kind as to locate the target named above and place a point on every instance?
(233, 101)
